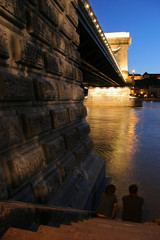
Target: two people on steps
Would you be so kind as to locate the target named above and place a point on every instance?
(132, 204)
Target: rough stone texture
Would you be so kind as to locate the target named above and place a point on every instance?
(93, 229)
(4, 53)
(45, 151)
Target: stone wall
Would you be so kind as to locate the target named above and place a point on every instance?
(45, 149)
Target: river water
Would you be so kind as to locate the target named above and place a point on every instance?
(128, 139)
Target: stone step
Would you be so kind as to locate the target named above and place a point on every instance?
(118, 222)
(18, 234)
(112, 231)
(78, 234)
(93, 229)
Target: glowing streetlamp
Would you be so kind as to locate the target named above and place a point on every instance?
(133, 71)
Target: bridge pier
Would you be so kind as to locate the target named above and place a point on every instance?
(120, 42)
(45, 152)
(110, 97)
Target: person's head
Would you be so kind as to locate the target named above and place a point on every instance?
(110, 189)
(133, 189)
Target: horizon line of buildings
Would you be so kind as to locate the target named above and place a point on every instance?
(146, 85)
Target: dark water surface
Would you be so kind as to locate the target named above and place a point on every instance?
(128, 139)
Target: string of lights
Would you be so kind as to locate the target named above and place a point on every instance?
(94, 19)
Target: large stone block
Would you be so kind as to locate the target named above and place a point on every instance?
(71, 138)
(53, 64)
(38, 28)
(47, 8)
(61, 4)
(83, 130)
(90, 181)
(60, 117)
(75, 38)
(71, 14)
(36, 123)
(4, 53)
(53, 148)
(66, 167)
(34, 2)
(79, 75)
(80, 153)
(69, 71)
(82, 111)
(3, 186)
(60, 44)
(74, 55)
(10, 129)
(65, 27)
(70, 165)
(14, 87)
(21, 166)
(77, 93)
(75, 3)
(64, 91)
(27, 53)
(62, 172)
(89, 145)
(44, 90)
(14, 11)
(73, 113)
(77, 112)
(46, 184)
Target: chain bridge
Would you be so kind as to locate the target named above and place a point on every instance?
(98, 63)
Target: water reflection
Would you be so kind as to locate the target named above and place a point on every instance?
(126, 140)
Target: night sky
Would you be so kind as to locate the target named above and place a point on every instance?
(142, 19)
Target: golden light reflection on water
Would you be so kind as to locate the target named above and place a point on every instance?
(125, 144)
(115, 127)
(115, 139)
(128, 140)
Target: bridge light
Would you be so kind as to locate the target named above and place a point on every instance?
(94, 20)
(97, 26)
(99, 30)
(91, 14)
(87, 5)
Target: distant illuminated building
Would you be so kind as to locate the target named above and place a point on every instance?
(146, 85)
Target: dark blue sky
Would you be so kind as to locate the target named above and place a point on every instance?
(142, 19)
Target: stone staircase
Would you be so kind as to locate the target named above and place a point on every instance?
(91, 229)
(38, 222)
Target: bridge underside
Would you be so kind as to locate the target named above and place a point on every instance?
(98, 67)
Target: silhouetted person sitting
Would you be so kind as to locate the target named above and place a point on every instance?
(108, 207)
(132, 205)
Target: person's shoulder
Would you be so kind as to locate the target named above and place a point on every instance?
(126, 196)
(141, 198)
